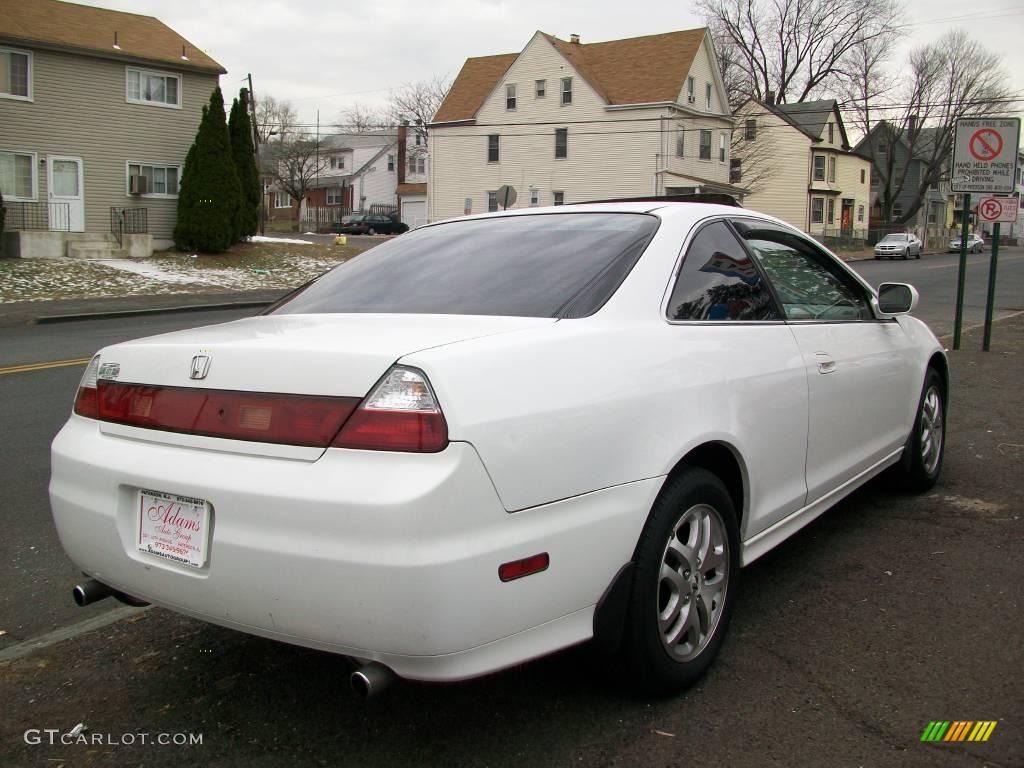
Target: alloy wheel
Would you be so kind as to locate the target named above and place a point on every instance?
(693, 582)
(932, 426)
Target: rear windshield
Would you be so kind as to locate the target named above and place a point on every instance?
(545, 265)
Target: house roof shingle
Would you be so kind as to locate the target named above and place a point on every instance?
(810, 116)
(91, 30)
(636, 70)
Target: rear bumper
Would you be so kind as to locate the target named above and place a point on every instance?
(383, 556)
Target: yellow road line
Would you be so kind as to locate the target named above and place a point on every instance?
(29, 367)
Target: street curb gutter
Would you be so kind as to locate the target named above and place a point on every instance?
(50, 319)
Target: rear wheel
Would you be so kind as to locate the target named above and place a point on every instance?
(371, 231)
(926, 446)
(684, 584)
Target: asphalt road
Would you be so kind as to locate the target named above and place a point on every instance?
(887, 613)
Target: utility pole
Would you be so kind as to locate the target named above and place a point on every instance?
(317, 185)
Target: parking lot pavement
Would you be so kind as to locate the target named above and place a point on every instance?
(887, 613)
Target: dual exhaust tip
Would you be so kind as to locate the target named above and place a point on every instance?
(367, 681)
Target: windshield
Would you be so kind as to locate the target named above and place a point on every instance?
(894, 238)
(545, 265)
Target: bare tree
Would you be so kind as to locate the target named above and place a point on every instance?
(276, 116)
(417, 103)
(952, 78)
(867, 81)
(752, 152)
(360, 118)
(295, 165)
(792, 50)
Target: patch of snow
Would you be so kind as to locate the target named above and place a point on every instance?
(309, 233)
(147, 270)
(261, 239)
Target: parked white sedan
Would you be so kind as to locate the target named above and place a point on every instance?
(499, 436)
(975, 244)
(902, 244)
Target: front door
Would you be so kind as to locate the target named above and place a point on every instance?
(67, 194)
(847, 215)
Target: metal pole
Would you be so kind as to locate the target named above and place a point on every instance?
(990, 302)
(958, 323)
(317, 169)
(256, 149)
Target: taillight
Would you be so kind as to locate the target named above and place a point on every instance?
(86, 401)
(400, 414)
(265, 417)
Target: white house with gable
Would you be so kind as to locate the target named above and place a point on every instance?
(565, 122)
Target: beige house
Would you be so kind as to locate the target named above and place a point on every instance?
(98, 109)
(797, 164)
(564, 122)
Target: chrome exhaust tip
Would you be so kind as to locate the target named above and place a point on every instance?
(90, 591)
(370, 679)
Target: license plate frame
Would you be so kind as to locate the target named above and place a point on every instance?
(173, 527)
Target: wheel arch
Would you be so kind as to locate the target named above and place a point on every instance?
(725, 462)
(939, 362)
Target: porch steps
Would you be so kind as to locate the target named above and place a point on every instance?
(90, 245)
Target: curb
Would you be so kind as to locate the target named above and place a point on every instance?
(49, 319)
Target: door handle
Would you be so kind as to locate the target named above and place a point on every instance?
(825, 363)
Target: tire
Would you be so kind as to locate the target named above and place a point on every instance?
(671, 636)
(371, 231)
(921, 465)
(906, 254)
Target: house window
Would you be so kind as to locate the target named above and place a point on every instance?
(334, 196)
(282, 200)
(689, 89)
(680, 141)
(492, 202)
(861, 175)
(819, 168)
(558, 198)
(534, 198)
(707, 95)
(540, 88)
(162, 179)
(831, 169)
(391, 162)
(750, 130)
(15, 74)
(721, 147)
(419, 140)
(897, 210)
(159, 88)
(705, 145)
(561, 143)
(510, 97)
(493, 150)
(817, 210)
(883, 148)
(831, 135)
(417, 164)
(831, 210)
(17, 175)
(567, 90)
(735, 170)
(860, 213)
(338, 162)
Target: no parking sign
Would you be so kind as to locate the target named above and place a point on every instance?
(998, 209)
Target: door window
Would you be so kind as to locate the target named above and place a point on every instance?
(65, 178)
(718, 281)
(808, 285)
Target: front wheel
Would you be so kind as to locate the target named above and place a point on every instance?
(371, 231)
(926, 446)
(684, 584)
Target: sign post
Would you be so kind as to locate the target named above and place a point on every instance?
(985, 161)
(990, 301)
(994, 210)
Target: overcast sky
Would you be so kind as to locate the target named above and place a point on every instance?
(326, 54)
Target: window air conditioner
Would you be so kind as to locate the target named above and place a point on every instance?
(691, 99)
(138, 185)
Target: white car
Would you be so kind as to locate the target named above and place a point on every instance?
(975, 244)
(902, 244)
(499, 436)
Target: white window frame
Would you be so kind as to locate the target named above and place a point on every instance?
(860, 213)
(830, 204)
(700, 144)
(510, 96)
(534, 198)
(566, 90)
(492, 197)
(691, 84)
(391, 163)
(680, 141)
(832, 170)
(335, 195)
(723, 155)
(145, 73)
(35, 177)
(157, 195)
(277, 199)
(814, 168)
(540, 89)
(707, 95)
(31, 74)
(416, 165)
(557, 197)
(821, 220)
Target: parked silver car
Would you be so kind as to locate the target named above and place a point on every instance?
(903, 244)
(975, 244)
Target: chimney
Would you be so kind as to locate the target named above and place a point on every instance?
(574, 39)
(769, 97)
(911, 128)
(402, 129)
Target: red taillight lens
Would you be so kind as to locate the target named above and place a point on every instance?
(525, 567)
(86, 401)
(400, 414)
(264, 417)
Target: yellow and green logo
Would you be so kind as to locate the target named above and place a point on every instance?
(958, 730)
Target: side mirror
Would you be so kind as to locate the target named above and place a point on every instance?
(895, 299)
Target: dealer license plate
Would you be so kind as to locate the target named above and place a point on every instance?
(174, 527)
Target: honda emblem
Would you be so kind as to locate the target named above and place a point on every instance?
(200, 367)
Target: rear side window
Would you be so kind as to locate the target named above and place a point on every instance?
(551, 265)
(718, 281)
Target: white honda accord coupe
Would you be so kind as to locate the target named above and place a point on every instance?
(499, 436)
